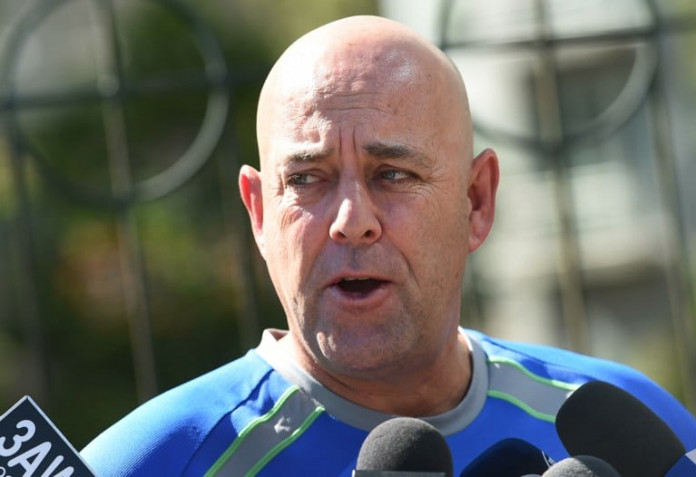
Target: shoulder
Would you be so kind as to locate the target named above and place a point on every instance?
(569, 369)
(556, 363)
(162, 435)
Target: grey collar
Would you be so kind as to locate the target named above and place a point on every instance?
(361, 417)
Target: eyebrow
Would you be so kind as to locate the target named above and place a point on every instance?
(379, 150)
(382, 150)
(308, 156)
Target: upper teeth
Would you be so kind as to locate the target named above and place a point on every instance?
(353, 279)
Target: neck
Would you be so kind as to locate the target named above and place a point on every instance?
(422, 391)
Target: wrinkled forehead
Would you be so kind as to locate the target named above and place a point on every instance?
(391, 74)
(377, 96)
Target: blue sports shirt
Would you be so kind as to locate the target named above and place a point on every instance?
(264, 415)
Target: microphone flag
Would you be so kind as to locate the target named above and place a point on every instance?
(31, 445)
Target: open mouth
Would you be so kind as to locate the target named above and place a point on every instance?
(359, 286)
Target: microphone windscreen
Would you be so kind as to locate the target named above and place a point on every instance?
(405, 444)
(581, 466)
(604, 421)
(508, 458)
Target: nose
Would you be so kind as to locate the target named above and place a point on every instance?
(356, 222)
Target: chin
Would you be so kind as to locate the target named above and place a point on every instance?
(363, 362)
(365, 346)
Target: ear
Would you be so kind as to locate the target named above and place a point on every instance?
(483, 184)
(251, 192)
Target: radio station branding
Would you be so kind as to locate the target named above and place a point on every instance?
(31, 446)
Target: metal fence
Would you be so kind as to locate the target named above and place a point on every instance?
(118, 198)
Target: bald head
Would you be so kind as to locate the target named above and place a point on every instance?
(373, 60)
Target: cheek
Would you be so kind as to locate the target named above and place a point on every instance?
(432, 235)
(287, 256)
(429, 219)
(296, 235)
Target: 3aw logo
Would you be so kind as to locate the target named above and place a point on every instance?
(30, 445)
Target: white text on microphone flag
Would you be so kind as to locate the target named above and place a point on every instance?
(31, 445)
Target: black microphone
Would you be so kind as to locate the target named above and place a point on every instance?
(509, 458)
(31, 445)
(602, 420)
(404, 446)
(581, 466)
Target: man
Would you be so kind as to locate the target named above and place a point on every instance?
(368, 201)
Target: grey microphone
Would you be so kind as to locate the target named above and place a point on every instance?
(581, 466)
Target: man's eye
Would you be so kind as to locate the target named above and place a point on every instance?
(394, 175)
(301, 179)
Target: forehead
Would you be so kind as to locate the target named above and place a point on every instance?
(386, 91)
(359, 122)
(379, 78)
(370, 104)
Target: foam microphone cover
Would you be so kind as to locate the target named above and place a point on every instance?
(508, 458)
(405, 444)
(581, 466)
(604, 421)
